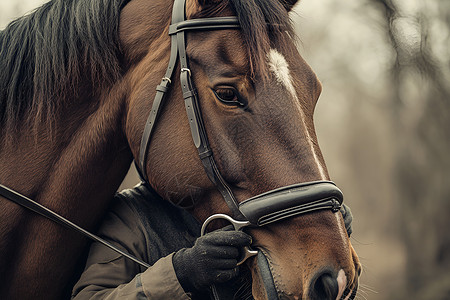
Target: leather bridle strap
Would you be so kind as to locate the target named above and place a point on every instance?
(47, 213)
(205, 24)
(161, 91)
(290, 201)
(198, 130)
(199, 136)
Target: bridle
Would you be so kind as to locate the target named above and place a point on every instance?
(263, 209)
(178, 50)
(269, 207)
(260, 210)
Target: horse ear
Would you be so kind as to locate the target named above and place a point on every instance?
(289, 4)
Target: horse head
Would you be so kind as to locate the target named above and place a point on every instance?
(257, 98)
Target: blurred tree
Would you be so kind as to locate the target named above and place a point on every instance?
(421, 119)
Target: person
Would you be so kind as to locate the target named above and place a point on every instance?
(183, 264)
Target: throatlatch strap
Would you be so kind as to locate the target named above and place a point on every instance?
(161, 91)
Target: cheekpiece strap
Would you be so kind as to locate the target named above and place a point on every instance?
(199, 136)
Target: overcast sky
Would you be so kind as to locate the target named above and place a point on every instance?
(11, 9)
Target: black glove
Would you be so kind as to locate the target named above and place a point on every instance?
(211, 260)
(348, 218)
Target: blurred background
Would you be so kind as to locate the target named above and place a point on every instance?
(383, 123)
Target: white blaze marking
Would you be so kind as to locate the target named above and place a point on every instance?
(342, 283)
(280, 68)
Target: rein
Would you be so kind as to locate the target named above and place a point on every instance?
(49, 214)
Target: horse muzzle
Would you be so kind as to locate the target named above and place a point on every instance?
(277, 208)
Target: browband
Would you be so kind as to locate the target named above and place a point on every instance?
(205, 24)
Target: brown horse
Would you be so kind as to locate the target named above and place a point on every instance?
(77, 81)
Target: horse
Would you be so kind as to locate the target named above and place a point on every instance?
(77, 83)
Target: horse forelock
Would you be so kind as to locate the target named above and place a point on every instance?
(45, 55)
(264, 25)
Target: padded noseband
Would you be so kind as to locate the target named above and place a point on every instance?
(290, 201)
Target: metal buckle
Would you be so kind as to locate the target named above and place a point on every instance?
(186, 70)
(238, 226)
(336, 205)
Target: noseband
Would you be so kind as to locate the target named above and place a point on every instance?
(260, 210)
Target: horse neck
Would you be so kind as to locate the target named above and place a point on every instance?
(75, 170)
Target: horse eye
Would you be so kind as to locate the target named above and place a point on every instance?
(229, 96)
(226, 95)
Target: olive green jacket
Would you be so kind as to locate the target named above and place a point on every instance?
(144, 225)
(152, 229)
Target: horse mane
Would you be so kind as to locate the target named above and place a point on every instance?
(264, 24)
(46, 54)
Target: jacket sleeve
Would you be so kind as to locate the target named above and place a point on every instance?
(108, 275)
(105, 281)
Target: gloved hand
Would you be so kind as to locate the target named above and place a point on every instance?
(348, 218)
(211, 260)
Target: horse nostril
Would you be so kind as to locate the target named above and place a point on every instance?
(325, 287)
